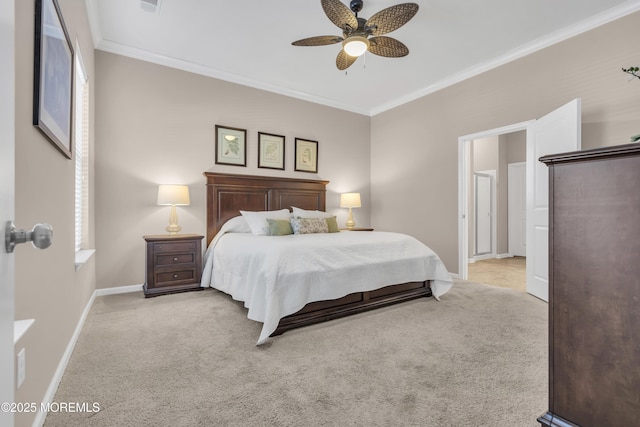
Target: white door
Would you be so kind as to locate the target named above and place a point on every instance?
(7, 201)
(557, 132)
(483, 214)
(517, 209)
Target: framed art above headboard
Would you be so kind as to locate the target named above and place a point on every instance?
(228, 194)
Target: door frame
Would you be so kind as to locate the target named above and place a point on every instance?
(7, 206)
(464, 175)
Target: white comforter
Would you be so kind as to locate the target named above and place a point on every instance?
(278, 275)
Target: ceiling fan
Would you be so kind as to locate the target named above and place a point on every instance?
(359, 34)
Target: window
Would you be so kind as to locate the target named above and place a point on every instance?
(81, 155)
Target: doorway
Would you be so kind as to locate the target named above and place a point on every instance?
(555, 132)
(465, 162)
(491, 259)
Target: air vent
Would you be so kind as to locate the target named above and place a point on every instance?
(152, 6)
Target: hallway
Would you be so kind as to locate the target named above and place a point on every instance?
(503, 272)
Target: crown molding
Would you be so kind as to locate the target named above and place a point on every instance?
(527, 49)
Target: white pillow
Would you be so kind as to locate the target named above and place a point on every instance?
(258, 220)
(237, 224)
(303, 213)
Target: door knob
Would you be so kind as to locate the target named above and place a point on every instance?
(41, 236)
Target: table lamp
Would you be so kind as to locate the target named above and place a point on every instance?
(350, 200)
(173, 195)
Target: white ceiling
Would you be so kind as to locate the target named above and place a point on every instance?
(249, 42)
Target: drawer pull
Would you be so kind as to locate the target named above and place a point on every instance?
(175, 258)
(175, 276)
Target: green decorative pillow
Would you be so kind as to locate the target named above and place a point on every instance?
(279, 227)
(332, 224)
(309, 225)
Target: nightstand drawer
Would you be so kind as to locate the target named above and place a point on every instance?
(174, 246)
(173, 259)
(174, 277)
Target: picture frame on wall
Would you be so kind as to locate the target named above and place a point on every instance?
(306, 155)
(271, 151)
(231, 146)
(53, 76)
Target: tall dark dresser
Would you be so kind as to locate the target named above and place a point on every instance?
(594, 288)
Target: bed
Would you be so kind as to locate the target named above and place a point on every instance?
(304, 296)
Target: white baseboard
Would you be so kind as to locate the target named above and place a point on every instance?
(489, 256)
(118, 290)
(483, 257)
(57, 376)
(507, 255)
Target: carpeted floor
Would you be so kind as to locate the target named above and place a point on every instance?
(478, 357)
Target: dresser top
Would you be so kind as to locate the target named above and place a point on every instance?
(632, 149)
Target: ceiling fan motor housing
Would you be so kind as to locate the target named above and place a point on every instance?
(356, 5)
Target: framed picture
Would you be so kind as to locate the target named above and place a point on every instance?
(53, 76)
(231, 146)
(270, 151)
(306, 155)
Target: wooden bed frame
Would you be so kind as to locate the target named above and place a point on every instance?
(227, 194)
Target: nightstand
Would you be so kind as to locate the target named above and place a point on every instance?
(174, 264)
(357, 229)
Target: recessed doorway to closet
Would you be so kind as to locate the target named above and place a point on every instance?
(497, 210)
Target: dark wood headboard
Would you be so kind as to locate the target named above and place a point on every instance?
(227, 194)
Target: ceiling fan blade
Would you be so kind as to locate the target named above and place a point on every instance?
(391, 18)
(344, 61)
(339, 14)
(318, 41)
(387, 47)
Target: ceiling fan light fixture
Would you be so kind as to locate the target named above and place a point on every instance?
(355, 45)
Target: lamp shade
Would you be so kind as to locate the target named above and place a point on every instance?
(350, 200)
(173, 195)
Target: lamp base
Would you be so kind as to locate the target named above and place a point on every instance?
(350, 222)
(173, 228)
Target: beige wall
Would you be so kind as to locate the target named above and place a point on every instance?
(155, 125)
(516, 146)
(513, 147)
(414, 182)
(48, 289)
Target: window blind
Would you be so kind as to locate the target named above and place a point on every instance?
(81, 154)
